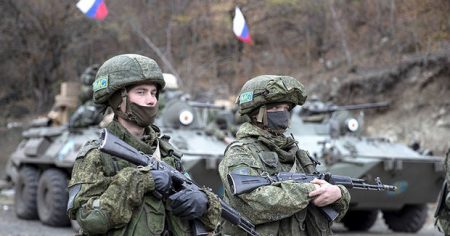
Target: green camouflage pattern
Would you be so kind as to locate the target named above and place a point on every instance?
(122, 71)
(266, 89)
(110, 196)
(86, 115)
(88, 76)
(282, 208)
(443, 213)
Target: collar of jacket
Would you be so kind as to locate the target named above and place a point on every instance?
(146, 145)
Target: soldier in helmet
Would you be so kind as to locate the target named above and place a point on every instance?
(222, 127)
(261, 149)
(88, 113)
(109, 196)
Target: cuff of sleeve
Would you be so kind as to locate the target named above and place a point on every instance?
(149, 182)
(341, 205)
(309, 187)
(212, 217)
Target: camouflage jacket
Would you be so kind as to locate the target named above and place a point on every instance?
(282, 208)
(109, 196)
(442, 213)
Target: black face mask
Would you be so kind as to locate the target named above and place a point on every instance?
(278, 121)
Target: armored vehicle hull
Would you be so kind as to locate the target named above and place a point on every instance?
(40, 169)
(418, 177)
(185, 123)
(201, 155)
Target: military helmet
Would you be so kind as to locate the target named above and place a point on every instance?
(122, 71)
(267, 89)
(88, 76)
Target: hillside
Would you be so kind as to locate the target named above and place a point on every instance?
(343, 50)
(418, 89)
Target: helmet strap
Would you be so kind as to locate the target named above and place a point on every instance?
(124, 95)
(117, 102)
(262, 115)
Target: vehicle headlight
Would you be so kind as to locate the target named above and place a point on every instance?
(352, 125)
(186, 117)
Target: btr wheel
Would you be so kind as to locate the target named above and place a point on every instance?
(26, 190)
(410, 218)
(52, 198)
(359, 220)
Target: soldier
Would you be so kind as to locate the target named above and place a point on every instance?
(109, 196)
(222, 127)
(88, 113)
(442, 214)
(285, 208)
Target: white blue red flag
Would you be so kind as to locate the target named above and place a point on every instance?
(240, 28)
(95, 9)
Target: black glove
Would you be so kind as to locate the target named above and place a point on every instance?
(189, 204)
(163, 181)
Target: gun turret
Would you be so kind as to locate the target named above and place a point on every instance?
(205, 105)
(317, 108)
(181, 114)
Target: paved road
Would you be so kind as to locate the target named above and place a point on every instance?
(11, 226)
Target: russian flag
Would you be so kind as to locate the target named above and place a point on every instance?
(95, 9)
(240, 28)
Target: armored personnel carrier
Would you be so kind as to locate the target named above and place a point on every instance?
(333, 136)
(185, 121)
(42, 163)
(40, 168)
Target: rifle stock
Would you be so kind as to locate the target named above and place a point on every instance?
(118, 148)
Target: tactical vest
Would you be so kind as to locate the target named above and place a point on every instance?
(303, 161)
(267, 160)
(152, 213)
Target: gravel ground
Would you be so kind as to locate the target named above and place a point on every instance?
(11, 226)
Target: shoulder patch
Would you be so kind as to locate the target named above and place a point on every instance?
(89, 145)
(246, 97)
(100, 83)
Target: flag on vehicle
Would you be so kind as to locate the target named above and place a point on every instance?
(240, 28)
(95, 9)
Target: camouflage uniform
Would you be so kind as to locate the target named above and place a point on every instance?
(109, 196)
(442, 214)
(222, 126)
(283, 208)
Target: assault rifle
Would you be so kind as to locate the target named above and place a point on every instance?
(240, 184)
(118, 148)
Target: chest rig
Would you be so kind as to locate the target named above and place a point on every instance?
(270, 162)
